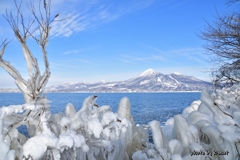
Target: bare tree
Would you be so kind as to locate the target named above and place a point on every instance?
(230, 2)
(38, 28)
(223, 42)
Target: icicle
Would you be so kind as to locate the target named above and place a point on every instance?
(157, 134)
(70, 110)
(124, 109)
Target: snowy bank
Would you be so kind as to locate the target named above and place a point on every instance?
(208, 129)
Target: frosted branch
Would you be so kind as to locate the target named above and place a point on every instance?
(21, 83)
(3, 46)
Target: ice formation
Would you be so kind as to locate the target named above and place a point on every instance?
(93, 132)
(207, 129)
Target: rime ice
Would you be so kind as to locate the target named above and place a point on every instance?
(210, 125)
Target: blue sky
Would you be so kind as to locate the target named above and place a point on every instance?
(117, 40)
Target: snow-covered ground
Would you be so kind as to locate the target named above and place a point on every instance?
(208, 129)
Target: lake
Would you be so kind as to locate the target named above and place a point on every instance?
(145, 107)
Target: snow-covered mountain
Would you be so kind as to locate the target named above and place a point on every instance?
(148, 81)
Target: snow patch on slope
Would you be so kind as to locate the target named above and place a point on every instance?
(144, 82)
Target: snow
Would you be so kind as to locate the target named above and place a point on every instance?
(148, 72)
(95, 127)
(144, 82)
(110, 85)
(208, 126)
(42, 142)
(174, 79)
(140, 155)
(177, 73)
(108, 118)
(159, 79)
(176, 157)
(103, 81)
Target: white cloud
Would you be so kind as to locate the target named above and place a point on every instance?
(80, 15)
(71, 65)
(85, 61)
(155, 54)
(69, 24)
(88, 14)
(153, 48)
(75, 51)
(195, 54)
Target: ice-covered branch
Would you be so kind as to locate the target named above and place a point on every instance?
(38, 28)
(46, 75)
(20, 82)
(22, 35)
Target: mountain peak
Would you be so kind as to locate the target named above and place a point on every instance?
(149, 71)
(103, 81)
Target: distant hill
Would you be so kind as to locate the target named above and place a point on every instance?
(148, 81)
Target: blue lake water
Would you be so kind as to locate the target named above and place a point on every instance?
(145, 107)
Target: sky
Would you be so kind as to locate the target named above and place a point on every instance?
(116, 40)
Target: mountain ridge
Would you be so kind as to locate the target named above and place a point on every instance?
(147, 81)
